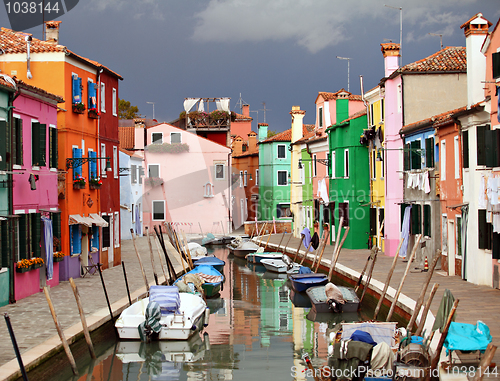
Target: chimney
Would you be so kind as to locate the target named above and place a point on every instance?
(297, 124)
(252, 142)
(246, 110)
(475, 30)
(237, 145)
(391, 57)
(52, 31)
(262, 131)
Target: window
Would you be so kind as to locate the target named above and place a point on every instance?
(344, 212)
(94, 242)
(346, 163)
(17, 139)
(314, 168)
(481, 148)
(372, 117)
(429, 152)
(159, 210)
(115, 161)
(283, 210)
(457, 153)
(38, 143)
(495, 60)
(175, 137)
(257, 177)
(443, 160)
(114, 101)
(53, 146)
(444, 233)
(334, 174)
(416, 219)
(92, 95)
(219, 171)
(153, 170)
(320, 117)
(209, 190)
(465, 149)
(282, 177)
(133, 174)
(458, 235)
(373, 221)
(245, 175)
(416, 154)
(427, 220)
(241, 179)
(103, 97)
(106, 233)
(77, 89)
(382, 110)
(381, 218)
(92, 165)
(485, 230)
(382, 164)
(132, 207)
(103, 160)
(157, 138)
(281, 151)
(141, 174)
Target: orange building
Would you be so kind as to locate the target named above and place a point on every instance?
(58, 70)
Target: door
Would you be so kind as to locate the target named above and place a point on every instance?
(451, 247)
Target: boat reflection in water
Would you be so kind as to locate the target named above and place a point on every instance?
(258, 328)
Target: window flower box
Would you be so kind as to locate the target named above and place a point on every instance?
(94, 186)
(79, 182)
(93, 114)
(36, 265)
(78, 186)
(23, 269)
(95, 183)
(58, 259)
(78, 108)
(58, 256)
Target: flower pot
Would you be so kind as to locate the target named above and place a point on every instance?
(78, 186)
(93, 114)
(94, 186)
(22, 269)
(58, 259)
(78, 110)
(36, 265)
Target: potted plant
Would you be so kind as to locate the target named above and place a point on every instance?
(79, 182)
(93, 113)
(36, 262)
(23, 265)
(95, 183)
(78, 108)
(58, 256)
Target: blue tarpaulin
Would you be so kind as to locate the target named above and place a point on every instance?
(467, 337)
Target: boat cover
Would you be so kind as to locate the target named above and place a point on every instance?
(380, 331)
(151, 321)
(304, 270)
(467, 337)
(167, 297)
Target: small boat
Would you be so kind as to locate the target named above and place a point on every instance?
(321, 303)
(257, 257)
(215, 262)
(211, 240)
(279, 266)
(213, 279)
(301, 282)
(245, 248)
(299, 299)
(178, 321)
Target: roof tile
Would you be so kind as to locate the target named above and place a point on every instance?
(451, 58)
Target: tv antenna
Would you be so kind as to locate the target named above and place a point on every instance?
(264, 109)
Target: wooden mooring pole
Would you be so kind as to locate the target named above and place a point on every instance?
(151, 255)
(16, 348)
(82, 318)
(140, 260)
(426, 309)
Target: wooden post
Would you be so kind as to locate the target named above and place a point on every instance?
(421, 297)
(337, 253)
(140, 260)
(360, 279)
(307, 251)
(393, 305)
(302, 236)
(279, 245)
(268, 238)
(82, 318)
(369, 275)
(287, 242)
(262, 233)
(60, 332)
(435, 359)
(426, 309)
(188, 252)
(485, 362)
(151, 255)
(388, 280)
(159, 256)
(322, 250)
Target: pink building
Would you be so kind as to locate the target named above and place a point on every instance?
(35, 192)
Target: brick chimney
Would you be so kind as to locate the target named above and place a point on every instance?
(52, 31)
(252, 142)
(391, 57)
(475, 30)
(237, 146)
(297, 124)
(246, 110)
(262, 131)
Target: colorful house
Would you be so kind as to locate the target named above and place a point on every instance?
(56, 69)
(187, 181)
(349, 176)
(131, 179)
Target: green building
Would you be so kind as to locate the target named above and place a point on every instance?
(349, 175)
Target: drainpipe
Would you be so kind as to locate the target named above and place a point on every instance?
(98, 148)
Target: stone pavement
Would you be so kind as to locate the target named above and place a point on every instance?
(36, 333)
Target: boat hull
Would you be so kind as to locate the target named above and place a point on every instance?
(175, 326)
(211, 289)
(258, 257)
(301, 282)
(319, 300)
(215, 262)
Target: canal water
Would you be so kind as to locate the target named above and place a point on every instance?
(259, 329)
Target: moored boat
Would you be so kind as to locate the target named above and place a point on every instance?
(245, 248)
(322, 304)
(215, 262)
(301, 282)
(257, 257)
(278, 266)
(212, 279)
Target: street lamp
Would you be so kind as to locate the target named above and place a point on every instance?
(152, 103)
(348, 60)
(400, 32)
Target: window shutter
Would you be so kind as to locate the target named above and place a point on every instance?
(17, 138)
(77, 169)
(465, 149)
(141, 174)
(42, 161)
(482, 230)
(93, 165)
(95, 236)
(76, 239)
(481, 149)
(23, 236)
(35, 143)
(406, 157)
(133, 174)
(495, 60)
(373, 221)
(402, 213)
(77, 89)
(36, 234)
(490, 140)
(3, 144)
(106, 242)
(416, 161)
(5, 244)
(429, 152)
(416, 219)
(92, 94)
(53, 147)
(427, 220)
(381, 218)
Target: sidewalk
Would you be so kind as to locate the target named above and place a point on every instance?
(36, 333)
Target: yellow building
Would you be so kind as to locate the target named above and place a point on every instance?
(375, 141)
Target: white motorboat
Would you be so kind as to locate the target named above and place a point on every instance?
(279, 266)
(245, 248)
(191, 316)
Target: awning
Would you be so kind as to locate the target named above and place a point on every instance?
(98, 220)
(76, 219)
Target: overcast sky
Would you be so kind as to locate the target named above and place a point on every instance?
(281, 52)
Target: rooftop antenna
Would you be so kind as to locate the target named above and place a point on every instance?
(264, 109)
(348, 61)
(240, 103)
(257, 115)
(152, 103)
(400, 32)
(440, 37)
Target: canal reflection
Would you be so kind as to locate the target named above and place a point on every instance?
(258, 328)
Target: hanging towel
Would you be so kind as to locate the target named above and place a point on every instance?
(427, 186)
(307, 237)
(49, 246)
(405, 232)
(493, 183)
(444, 310)
(32, 181)
(481, 202)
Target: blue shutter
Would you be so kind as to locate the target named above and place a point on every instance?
(95, 236)
(76, 239)
(92, 95)
(77, 169)
(77, 89)
(93, 165)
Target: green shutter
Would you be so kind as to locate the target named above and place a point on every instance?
(3, 145)
(406, 157)
(373, 221)
(43, 145)
(416, 219)
(4, 244)
(429, 152)
(427, 220)
(490, 142)
(36, 234)
(23, 237)
(481, 149)
(465, 149)
(416, 161)
(35, 143)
